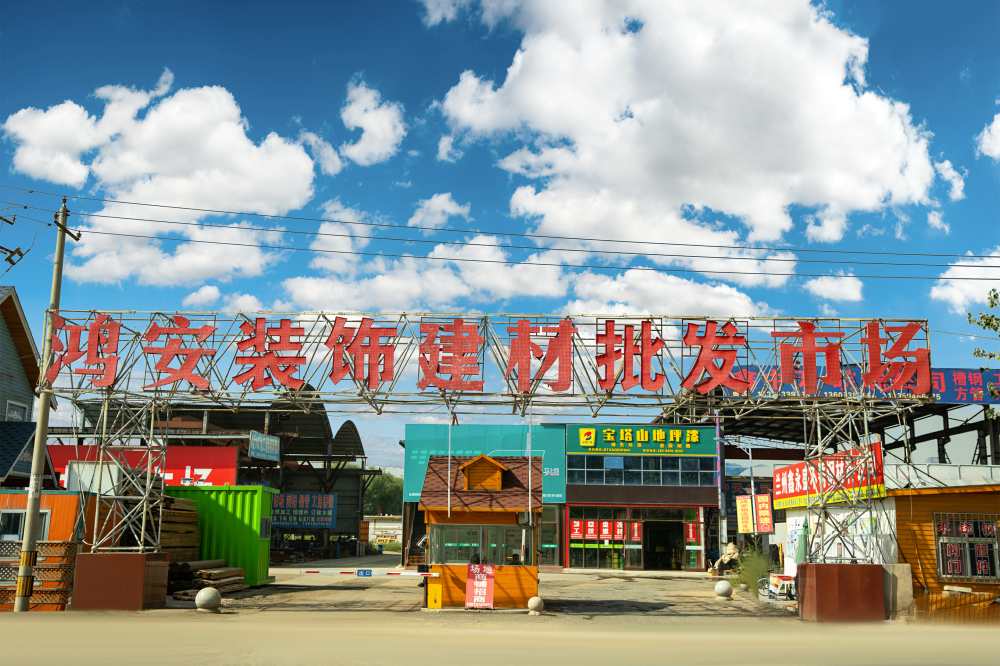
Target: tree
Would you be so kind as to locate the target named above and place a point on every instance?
(989, 322)
(384, 496)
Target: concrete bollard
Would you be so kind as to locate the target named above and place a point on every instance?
(536, 605)
(208, 600)
(723, 591)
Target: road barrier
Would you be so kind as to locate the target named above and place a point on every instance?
(368, 573)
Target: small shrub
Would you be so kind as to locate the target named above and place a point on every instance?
(392, 547)
(752, 567)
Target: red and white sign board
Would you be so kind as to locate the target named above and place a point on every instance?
(576, 529)
(763, 514)
(792, 484)
(590, 529)
(185, 465)
(691, 533)
(619, 530)
(636, 532)
(606, 527)
(479, 586)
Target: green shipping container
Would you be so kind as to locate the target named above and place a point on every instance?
(235, 526)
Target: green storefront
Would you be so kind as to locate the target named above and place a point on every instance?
(640, 496)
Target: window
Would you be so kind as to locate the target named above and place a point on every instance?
(966, 547)
(12, 525)
(633, 470)
(482, 544)
(16, 411)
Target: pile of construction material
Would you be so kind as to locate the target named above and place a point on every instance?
(179, 533)
(186, 579)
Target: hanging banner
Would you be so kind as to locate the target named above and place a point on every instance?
(763, 514)
(576, 529)
(744, 515)
(304, 510)
(479, 586)
(590, 529)
(691, 533)
(619, 530)
(635, 532)
(845, 475)
(606, 529)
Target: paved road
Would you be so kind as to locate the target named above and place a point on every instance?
(590, 619)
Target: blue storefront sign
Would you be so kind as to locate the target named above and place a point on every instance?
(547, 442)
(304, 510)
(264, 447)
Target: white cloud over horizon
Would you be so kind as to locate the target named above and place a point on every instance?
(381, 123)
(960, 295)
(434, 213)
(988, 141)
(840, 287)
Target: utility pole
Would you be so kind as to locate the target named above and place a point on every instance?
(29, 554)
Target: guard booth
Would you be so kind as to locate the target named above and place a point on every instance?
(479, 511)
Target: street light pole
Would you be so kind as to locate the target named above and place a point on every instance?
(29, 555)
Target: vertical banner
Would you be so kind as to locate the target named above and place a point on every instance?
(762, 509)
(635, 532)
(590, 529)
(619, 530)
(691, 533)
(479, 586)
(576, 529)
(605, 529)
(363, 532)
(744, 514)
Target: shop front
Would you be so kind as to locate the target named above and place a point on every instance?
(641, 497)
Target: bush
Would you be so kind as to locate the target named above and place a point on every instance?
(392, 547)
(752, 566)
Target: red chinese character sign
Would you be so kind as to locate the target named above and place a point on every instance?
(479, 586)
(174, 348)
(266, 366)
(361, 353)
(558, 354)
(642, 347)
(449, 356)
(99, 351)
(709, 343)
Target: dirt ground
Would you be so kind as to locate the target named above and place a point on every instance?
(589, 618)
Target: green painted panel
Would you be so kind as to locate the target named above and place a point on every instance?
(231, 520)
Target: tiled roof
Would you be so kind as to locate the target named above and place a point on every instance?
(14, 435)
(513, 496)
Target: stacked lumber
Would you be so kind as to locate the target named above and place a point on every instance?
(179, 533)
(188, 578)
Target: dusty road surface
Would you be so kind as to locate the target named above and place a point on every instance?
(590, 619)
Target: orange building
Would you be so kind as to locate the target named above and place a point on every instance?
(479, 511)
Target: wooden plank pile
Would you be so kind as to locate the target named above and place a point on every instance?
(188, 578)
(179, 533)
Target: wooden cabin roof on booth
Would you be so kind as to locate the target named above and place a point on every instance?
(483, 456)
(513, 495)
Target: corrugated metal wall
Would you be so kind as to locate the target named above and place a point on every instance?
(230, 526)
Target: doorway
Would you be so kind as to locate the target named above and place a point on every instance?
(663, 545)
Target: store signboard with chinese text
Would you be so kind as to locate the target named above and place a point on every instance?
(744, 515)
(184, 465)
(676, 440)
(576, 529)
(264, 447)
(479, 586)
(304, 510)
(763, 514)
(845, 475)
(734, 489)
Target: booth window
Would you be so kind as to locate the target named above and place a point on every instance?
(966, 547)
(632, 470)
(482, 544)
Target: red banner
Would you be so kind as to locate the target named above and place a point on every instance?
(606, 528)
(691, 533)
(185, 465)
(590, 529)
(479, 586)
(636, 532)
(762, 509)
(844, 474)
(576, 529)
(619, 530)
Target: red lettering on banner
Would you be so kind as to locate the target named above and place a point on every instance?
(914, 365)
(937, 382)
(373, 361)
(590, 529)
(957, 377)
(717, 375)
(266, 366)
(607, 358)
(635, 532)
(456, 354)
(975, 379)
(808, 349)
(101, 350)
(605, 529)
(174, 348)
(560, 348)
(645, 349)
(576, 529)
(619, 530)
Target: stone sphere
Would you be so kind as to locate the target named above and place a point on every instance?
(208, 599)
(536, 604)
(723, 589)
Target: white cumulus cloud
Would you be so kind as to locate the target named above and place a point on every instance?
(381, 123)
(961, 294)
(337, 241)
(434, 213)
(935, 220)
(988, 141)
(242, 303)
(842, 287)
(953, 178)
(323, 152)
(204, 296)
(447, 152)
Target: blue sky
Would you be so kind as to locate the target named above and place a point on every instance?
(854, 126)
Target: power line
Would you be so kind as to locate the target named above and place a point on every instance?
(534, 247)
(516, 263)
(503, 233)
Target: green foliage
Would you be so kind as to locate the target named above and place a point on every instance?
(752, 567)
(989, 322)
(384, 496)
(392, 547)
